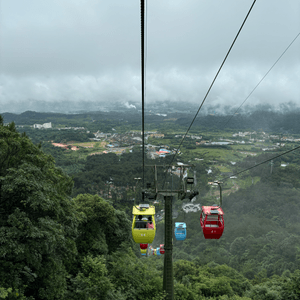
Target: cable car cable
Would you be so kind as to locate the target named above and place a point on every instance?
(142, 3)
(291, 150)
(261, 80)
(217, 74)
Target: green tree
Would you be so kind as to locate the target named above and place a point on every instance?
(291, 286)
(38, 224)
(103, 229)
(92, 282)
(137, 278)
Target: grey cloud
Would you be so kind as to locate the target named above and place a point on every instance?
(77, 50)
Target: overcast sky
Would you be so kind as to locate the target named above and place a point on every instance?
(77, 51)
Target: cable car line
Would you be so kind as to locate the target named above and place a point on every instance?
(217, 74)
(212, 226)
(262, 79)
(143, 89)
(143, 224)
(291, 150)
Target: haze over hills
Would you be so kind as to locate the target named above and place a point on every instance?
(266, 118)
(165, 107)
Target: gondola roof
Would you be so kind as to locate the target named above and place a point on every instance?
(210, 210)
(143, 209)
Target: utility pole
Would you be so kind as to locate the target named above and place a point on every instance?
(195, 180)
(215, 183)
(271, 166)
(219, 184)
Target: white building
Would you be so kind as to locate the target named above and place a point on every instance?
(45, 125)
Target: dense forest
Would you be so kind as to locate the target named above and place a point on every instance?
(60, 240)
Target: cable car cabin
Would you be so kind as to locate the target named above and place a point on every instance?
(212, 221)
(157, 251)
(143, 224)
(144, 251)
(162, 249)
(180, 231)
(143, 246)
(152, 251)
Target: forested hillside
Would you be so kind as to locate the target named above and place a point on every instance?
(60, 240)
(283, 121)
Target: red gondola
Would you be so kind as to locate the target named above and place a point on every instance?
(143, 246)
(212, 221)
(162, 249)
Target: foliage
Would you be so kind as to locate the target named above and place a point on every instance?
(103, 229)
(4, 292)
(136, 278)
(92, 282)
(57, 135)
(114, 175)
(38, 218)
(211, 280)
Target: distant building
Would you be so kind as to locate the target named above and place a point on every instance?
(45, 125)
(157, 135)
(195, 137)
(137, 139)
(100, 135)
(39, 126)
(163, 152)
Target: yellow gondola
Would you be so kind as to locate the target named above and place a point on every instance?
(143, 224)
(144, 251)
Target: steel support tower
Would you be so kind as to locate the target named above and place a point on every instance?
(168, 259)
(182, 192)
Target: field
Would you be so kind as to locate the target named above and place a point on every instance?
(89, 144)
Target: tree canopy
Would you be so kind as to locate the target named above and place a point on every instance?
(39, 220)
